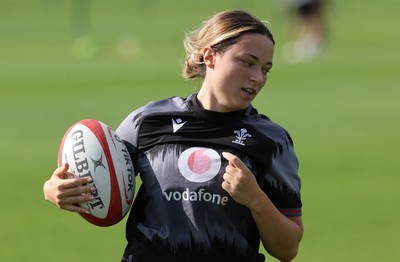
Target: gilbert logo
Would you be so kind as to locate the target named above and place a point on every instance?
(98, 163)
(177, 124)
(241, 135)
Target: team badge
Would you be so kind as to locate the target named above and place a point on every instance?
(241, 135)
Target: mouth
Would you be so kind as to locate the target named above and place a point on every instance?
(249, 91)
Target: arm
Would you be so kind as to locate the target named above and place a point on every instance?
(67, 193)
(280, 235)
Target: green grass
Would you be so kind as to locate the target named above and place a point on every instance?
(341, 110)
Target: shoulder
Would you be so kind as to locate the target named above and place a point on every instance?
(130, 126)
(163, 106)
(268, 128)
(174, 103)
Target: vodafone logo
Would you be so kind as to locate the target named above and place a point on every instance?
(199, 164)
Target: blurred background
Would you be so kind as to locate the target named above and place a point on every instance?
(65, 60)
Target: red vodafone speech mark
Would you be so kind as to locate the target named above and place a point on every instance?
(199, 164)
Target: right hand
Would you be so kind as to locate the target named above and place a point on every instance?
(66, 191)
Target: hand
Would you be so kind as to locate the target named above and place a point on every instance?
(240, 182)
(66, 192)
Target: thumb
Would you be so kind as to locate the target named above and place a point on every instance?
(229, 157)
(233, 160)
(62, 172)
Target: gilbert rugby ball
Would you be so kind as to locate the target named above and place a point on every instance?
(91, 148)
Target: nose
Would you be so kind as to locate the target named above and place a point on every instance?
(258, 77)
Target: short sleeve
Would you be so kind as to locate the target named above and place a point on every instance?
(283, 182)
(126, 130)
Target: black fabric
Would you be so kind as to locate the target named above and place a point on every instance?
(181, 212)
(142, 250)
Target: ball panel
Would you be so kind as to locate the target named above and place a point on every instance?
(112, 214)
(123, 168)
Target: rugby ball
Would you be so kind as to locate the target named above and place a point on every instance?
(93, 149)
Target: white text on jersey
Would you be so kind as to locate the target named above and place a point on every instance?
(194, 196)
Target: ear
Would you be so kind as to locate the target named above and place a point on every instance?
(209, 57)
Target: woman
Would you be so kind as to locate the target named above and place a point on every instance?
(217, 177)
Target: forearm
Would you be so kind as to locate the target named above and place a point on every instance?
(279, 234)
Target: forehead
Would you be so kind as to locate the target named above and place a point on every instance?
(258, 45)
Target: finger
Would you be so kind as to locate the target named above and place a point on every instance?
(77, 191)
(63, 179)
(226, 186)
(227, 177)
(74, 182)
(75, 208)
(234, 160)
(229, 157)
(72, 203)
(75, 199)
(230, 169)
(61, 171)
(68, 175)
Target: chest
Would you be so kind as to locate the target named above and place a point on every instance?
(231, 136)
(182, 152)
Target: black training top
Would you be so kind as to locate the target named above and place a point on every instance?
(181, 207)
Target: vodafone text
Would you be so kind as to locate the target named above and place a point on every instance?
(82, 165)
(194, 196)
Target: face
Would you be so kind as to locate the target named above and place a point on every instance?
(234, 77)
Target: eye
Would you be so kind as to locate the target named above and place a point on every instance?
(247, 63)
(266, 70)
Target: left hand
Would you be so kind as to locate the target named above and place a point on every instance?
(240, 182)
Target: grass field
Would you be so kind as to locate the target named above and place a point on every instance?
(59, 65)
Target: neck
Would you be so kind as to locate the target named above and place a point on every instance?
(209, 102)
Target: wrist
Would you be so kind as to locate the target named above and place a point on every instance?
(259, 202)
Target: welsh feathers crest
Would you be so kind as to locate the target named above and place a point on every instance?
(241, 135)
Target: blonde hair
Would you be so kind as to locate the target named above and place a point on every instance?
(219, 32)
